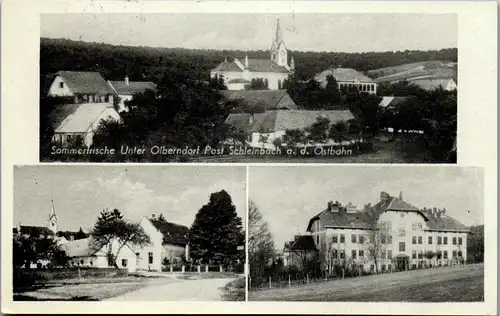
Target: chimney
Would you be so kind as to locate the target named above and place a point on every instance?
(384, 196)
(126, 80)
(153, 216)
(330, 205)
(401, 195)
(444, 210)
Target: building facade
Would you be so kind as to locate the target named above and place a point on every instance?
(347, 78)
(83, 86)
(126, 89)
(391, 235)
(239, 73)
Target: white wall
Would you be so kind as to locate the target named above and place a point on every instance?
(271, 77)
(155, 247)
(56, 90)
(121, 104)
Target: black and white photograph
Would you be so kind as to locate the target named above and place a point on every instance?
(92, 233)
(366, 234)
(299, 88)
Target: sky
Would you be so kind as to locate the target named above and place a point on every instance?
(305, 32)
(288, 197)
(80, 193)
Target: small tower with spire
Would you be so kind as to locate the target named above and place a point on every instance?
(53, 218)
(279, 52)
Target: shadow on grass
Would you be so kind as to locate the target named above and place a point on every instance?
(31, 298)
(234, 290)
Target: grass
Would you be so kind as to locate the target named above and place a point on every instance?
(234, 290)
(444, 284)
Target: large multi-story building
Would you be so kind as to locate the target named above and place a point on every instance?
(390, 235)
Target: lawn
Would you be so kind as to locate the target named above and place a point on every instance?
(89, 289)
(444, 284)
(234, 290)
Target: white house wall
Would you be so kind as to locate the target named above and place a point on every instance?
(56, 90)
(274, 79)
(143, 262)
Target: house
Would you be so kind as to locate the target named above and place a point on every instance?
(84, 86)
(239, 72)
(390, 102)
(83, 254)
(273, 124)
(430, 84)
(126, 89)
(400, 236)
(255, 101)
(347, 78)
(299, 251)
(168, 244)
(81, 119)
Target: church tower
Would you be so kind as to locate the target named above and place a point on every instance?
(279, 53)
(53, 219)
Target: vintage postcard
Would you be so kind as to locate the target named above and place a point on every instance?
(155, 233)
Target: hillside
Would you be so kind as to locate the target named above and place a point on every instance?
(431, 68)
(150, 63)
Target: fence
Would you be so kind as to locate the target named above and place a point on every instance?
(236, 268)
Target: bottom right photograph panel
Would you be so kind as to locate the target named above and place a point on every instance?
(366, 233)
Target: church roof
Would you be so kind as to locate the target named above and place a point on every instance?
(86, 82)
(342, 74)
(259, 100)
(172, 233)
(133, 87)
(254, 65)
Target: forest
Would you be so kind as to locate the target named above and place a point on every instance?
(149, 63)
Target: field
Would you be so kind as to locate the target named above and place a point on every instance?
(443, 284)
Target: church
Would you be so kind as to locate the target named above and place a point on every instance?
(239, 73)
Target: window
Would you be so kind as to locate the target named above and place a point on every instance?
(402, 232)
(389, 267)
(454, 240)
(317, 239)
(124, 263)
(402, 246)
(445, 240)
(335, 254)
(361, 253)
(61, 84)
(414, 254)
(353, 252)
(91, 262)
(150, 256)
(106, 98)
(389, 225)
(389, 254)
(353, 238)
(439, 240)
(342, 238)
(419, 240)
(445, 254)
(460, 253)
(420, 227)
(372, 267)
(414, 226)
(68, 138)
(459, 240)
(81, 261)
(389, 239)
(279, 84)
(454, 255)
(335, 238)
(383, 268)
(430, 240)
(382, 239)
(414, 240)
(384, 254)
(420, 254)
(342, 253)
(361, 239)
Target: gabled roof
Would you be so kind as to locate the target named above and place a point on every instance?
(432, 83)
(172, 233)
(86, 82)
(341, 219)
(254, 65)
(390, 101)
(78, 118)
(133, 87)
(444, 222)
(259, 100)
(342, 74)
(281, 120)
(78, 248)
(301, 242)
(35, 231)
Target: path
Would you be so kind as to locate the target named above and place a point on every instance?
(184, 290)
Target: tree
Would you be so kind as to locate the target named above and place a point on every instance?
(80, 234)
(31, 249)
(377, 238)
(293, 137)
(337, 131)
(216, 230)
(318, 131)
(260, 243)
(161, 218)
(112, 227)
(257, 84)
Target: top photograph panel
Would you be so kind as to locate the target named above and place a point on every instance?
(248, 88)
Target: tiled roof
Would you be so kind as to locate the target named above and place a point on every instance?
(86, 82)
(259, 100)
(254, 65)
(342, 74)
(78, 248)
(444, 222)
(133, 87)
(172, 233)
(301, 242)
(35, 231)
(393, 101)
(77, 118)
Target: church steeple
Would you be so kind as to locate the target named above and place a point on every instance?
(53, 218)
(279, 53)
(278, 38)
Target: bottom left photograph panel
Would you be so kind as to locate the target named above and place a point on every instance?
(129, 233)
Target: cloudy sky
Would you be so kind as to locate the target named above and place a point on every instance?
(289, 196)
(81, 192)
(315, 32)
